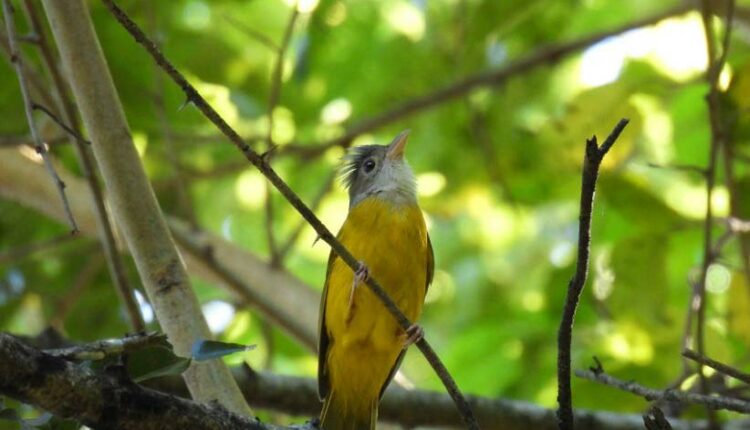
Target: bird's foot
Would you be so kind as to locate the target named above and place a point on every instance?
(360, 275)
(413, 334)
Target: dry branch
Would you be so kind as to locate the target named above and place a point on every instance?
(594, 154)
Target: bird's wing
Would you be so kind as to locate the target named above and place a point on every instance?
(323, 334)
(430, 265)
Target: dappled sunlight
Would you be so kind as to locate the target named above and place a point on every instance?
(144, 307)
(219, 315)
(404, 18)
(442, 289)
(336, 111)
(196, 15)
(533, 300)
(140, 140)
(303, 6)
(336, 14)
(219, 97)
(676, 47)
(430, 183)
(249, 188)
(629, 342)
(718, 278)
(657, 128)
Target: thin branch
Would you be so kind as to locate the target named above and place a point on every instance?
(104, 348)
(718, 366)
(593, 157)
(24, 251)
(258, 161)
(179, 185)
(80, 283)
(273, 100)
(15, 140)
(317, 200)
(252, 33)
(74, 134)
(710, 401)
(546, 55)
(69, 124)
(680, 167)
(717, 141)
(16, 59)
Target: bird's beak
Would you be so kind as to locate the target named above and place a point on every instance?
(397, 147)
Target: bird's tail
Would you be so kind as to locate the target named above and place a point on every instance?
(340, 414)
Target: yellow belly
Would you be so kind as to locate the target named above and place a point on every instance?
(365, 339)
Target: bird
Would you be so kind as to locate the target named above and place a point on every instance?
(361, 344)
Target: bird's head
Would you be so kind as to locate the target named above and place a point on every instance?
(380, 170)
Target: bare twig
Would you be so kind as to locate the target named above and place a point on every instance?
(252, 33)
(104, 348)
(179, 185)
(721, 367)
(31, 248)
(317, 200)
(273, 100)
(593, 157)
(710, 401)
(681, 167)
(69, 124)
(258, 161)
(21, 139)
(717, 141)
(41, 149)
(68, 129)
(72, 294)
(545, 55)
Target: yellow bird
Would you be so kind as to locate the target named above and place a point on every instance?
(360, 343)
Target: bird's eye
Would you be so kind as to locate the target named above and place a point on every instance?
(369, 165)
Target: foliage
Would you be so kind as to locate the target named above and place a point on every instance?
(498, 169)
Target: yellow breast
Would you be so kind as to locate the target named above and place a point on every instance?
(392, 242)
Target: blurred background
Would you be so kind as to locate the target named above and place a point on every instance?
(497, 158)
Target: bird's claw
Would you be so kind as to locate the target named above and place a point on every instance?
(413, 334)
(360, 275)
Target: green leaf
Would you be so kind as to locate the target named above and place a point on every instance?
(155, 361)
(209, 349)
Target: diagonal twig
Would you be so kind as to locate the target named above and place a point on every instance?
(15, 57)
(259, 162)
(273, 100)
(718, 366)
(592, 160)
